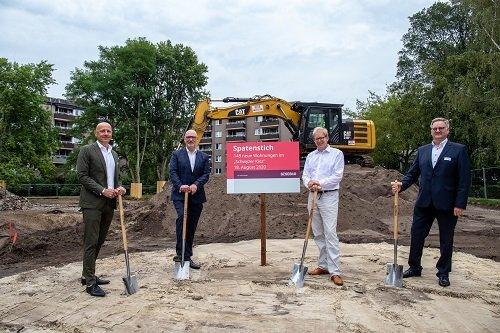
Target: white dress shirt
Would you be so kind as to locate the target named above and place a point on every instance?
(110, 164)
(436, 151)
(192, 158)
(326, 166)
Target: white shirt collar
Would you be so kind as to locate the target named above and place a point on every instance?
(441, 145)
(102, 147)
(327, 149)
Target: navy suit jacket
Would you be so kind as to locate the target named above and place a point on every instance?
(446, 186)
(181, 174)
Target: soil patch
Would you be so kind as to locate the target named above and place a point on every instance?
(51, 230)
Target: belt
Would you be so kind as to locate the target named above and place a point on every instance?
(326, 191)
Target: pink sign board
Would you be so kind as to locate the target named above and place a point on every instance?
(263, 167)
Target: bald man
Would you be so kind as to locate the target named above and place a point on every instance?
(97, 170)
(189, 172)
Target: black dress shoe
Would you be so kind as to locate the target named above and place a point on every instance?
(444, 281)
(194, 265)
(411, 272)
(95, 290)
(98, 280)
(177, 258)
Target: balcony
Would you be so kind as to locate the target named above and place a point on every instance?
(205, 141)
(64, 116)
(209, 128)
(236, 138)
(232, 126)
(270, 136)
(62, 130)
(269, 123)
(59, 159)
(67, 144)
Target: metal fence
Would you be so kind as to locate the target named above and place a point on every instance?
(485, 183)
(50, 190)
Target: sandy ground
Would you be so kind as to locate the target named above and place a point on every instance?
(233, 293)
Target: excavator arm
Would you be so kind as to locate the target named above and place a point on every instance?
(245, 107)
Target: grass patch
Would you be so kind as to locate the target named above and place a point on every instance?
(494, 203)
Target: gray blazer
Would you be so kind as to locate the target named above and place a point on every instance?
(91, 172)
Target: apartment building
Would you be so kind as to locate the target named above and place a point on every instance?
(64, 114)
(254, 129)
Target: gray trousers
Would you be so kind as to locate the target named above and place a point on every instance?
(97, 222)
(324, 227)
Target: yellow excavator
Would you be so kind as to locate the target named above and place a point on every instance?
(356, 138)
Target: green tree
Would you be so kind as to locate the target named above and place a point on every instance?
(27, 137)
(147, 92)
(449, 66)
(394, 118)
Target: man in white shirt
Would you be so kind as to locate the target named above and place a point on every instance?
(189, 170)
(97, 170)
(323, 171)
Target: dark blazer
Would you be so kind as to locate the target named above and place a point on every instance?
(91, 172)
(181, 174)
(446, 185)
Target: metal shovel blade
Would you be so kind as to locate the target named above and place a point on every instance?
(131, 285)
(394, 275)
(181, 270)
(298, 275)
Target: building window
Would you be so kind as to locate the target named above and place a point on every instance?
(270, 131)
(258, 131)
(218, 158)
(218, 146)
(235, 133)
(259, 119)
(218, 122)
(218, 171)
(218, 134)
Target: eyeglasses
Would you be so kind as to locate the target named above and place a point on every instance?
(190, 137)
(320, 138)
(435, 129)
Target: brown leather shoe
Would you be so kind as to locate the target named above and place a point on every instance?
(318, 271)
(337, 280)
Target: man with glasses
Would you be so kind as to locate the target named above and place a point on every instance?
(189, 172)
(323, 171)
(443, 170)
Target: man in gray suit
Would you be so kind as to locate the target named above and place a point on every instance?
(97, 170)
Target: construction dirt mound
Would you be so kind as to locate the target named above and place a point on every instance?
(50, 232)
(365, 209)
(9, 201)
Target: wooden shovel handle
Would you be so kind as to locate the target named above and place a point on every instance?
(185, 215)
(122, 222)
(309, 220)
(396, 211)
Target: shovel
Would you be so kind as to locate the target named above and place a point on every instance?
(181, 269)
(299, 271)
(130, 281)
(394, 271)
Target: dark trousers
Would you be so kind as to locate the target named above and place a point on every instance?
(423, 217)
(97, 222)
(194, 212)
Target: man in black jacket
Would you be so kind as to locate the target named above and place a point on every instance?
(443, 170)
(189, 172)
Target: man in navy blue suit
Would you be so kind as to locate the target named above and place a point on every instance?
(443, 170)
(189, 172)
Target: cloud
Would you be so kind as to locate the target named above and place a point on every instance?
(318, 50)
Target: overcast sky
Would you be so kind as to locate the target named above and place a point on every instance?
(312, 51)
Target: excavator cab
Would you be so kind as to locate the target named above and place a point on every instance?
(324, 115)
